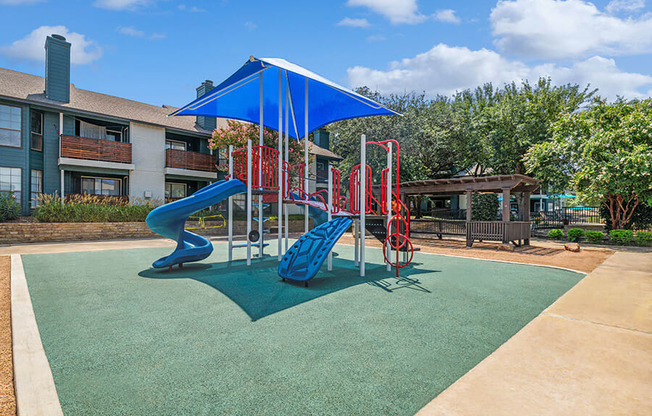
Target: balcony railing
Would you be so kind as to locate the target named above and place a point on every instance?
(190, 160)
(95, 149)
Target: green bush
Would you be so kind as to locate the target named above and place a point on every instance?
(88, 208)
(621, 236)
(575, 235)
(595, 237)
(9, 207)
(644, 238)
(485, 207)
(556, 234)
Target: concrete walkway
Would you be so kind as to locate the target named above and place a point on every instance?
(590, 353)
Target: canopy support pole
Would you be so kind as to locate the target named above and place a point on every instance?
(330, 210)
(363, 200)
(261, 236)
(389, 206)
(279, 216)
(249, 202)
(305, 159)
(287, 156)
(230, 205)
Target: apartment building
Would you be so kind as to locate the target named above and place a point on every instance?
(55, 137)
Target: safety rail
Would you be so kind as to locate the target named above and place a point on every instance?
(354, 188)
(264, 168)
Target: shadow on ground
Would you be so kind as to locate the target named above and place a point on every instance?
(259, 291)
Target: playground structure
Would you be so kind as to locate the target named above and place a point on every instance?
(265, 175)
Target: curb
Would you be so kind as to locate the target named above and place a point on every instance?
(36, 394)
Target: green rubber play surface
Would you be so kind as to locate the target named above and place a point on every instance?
(219, 339)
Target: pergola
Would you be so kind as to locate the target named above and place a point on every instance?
(504, 231)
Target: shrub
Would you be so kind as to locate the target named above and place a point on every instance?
(89, 208)
(621, 236)
(9, 207)
(556, 234)
(575, 235)
(643, 238)
(485, 207)
(595, 237)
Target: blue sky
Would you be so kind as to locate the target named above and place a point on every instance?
(158, 51)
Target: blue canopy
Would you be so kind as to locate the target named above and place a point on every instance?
(238, 98)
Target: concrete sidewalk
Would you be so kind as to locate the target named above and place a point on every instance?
(590, 353)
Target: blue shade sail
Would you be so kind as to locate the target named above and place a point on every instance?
(238, 98)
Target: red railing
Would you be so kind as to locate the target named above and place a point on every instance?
(264, 168)
(354, 189)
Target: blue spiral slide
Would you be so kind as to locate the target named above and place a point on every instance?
(168, 221)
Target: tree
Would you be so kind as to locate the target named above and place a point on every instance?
(604, 152)
(237, 133)
(505, 123)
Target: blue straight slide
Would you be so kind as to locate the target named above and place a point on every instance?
(168, 220)
(303, 260)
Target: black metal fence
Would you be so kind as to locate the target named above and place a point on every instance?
(559, 217)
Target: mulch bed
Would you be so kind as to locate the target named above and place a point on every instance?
(7, 397)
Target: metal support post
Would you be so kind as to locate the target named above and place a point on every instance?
(363, 200)
(389, 204)
(249, 201)
(230, 205)
(279, 216)
(306, 225)
(330, 210)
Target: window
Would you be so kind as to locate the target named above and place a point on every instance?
(175, 190)
(173, 144)
(36, 186)
(36, 128)
(10, 126)
(114, 135)
(10, 181)
(101, 186)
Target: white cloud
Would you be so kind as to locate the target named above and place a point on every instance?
(445, 69)
(567, 29)
(376, 38)
(625, 5)
(446, 16)
(250, 25)
(137, 33)
(348, 21)
(397, 11)
(32, 47)
(121, 4)
(19, 2)
(130, 31)
(193, 9)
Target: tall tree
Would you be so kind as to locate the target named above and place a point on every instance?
(604, 152)
(507, 122)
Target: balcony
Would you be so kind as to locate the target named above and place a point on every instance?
(182, 159)
(94, 149)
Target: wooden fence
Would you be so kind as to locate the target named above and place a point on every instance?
(517, 232)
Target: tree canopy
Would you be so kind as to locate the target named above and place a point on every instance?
(604, 152)
(479, 131)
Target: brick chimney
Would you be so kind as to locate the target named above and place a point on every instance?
(57, 68)
(207, 123)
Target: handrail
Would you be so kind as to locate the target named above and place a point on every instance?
(264, 167)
